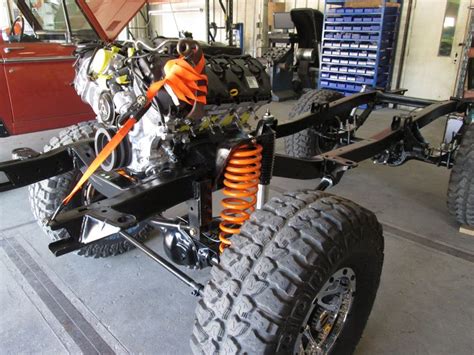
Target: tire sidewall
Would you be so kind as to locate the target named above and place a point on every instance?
(460, 199)
(307, 142)
(260, 294)
(367, 268)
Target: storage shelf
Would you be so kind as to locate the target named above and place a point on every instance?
(345, 30)
(350, 40)
(358, 37)
(357, 11)
(364, 14)
(345, 92)
(353, 88)
(347, 81)
(341, 20)
(346, 73)
(351, 48)
(369, 66)
(356, 15)
(352, 22)
(346, 56)
(353, 31)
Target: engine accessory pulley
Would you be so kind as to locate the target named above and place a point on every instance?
(106, 108)
(119, 157)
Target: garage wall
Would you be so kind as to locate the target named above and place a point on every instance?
(188, 16)
(250, 13)
(245, 11)
(427, 74)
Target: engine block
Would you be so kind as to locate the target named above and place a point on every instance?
(110, 80)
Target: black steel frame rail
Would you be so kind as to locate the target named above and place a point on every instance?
(142, 200)
(133, 203)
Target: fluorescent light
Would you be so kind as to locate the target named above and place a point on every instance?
(166, 12)
(449, 22)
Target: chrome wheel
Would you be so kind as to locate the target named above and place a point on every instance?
(328, 314)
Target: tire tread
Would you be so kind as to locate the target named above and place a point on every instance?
(304, 143)
(45, 197)
(250, 294)
(461, 183)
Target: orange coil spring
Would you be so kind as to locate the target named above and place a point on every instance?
(241, 180)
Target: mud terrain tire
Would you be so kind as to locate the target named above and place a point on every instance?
(308, 143)
(45, 196)
(266, 281)
(461, 182)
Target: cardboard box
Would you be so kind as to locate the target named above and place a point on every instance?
(272, 8)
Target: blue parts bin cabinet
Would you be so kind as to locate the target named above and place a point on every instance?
(358, 46)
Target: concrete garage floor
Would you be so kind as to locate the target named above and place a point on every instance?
(127, 304)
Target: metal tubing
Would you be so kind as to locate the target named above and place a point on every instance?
(325, 183)
(367, 148)
(207, 16)
(295, 168)
(264, 32)
(406, 29)
(335, 108)
(10, 19)
(262, 195)
(230, 21)
(68, 23)
(197, 287)
(435, 111)
(404, 100)
(20, 173)
(345, 105)
(170, 224)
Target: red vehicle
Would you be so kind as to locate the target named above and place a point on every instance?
(36, 67)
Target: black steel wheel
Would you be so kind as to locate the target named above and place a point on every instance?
(315, 140)
(461, 182)
(300, 278)
(45, 197)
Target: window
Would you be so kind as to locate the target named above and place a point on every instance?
(449, 27)
(44, 21)
(50, 15)
(47, 13)
(4, 16)
(9, 12)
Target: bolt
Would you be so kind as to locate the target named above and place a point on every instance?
(141, 100)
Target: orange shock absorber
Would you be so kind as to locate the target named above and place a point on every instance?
(241, 178)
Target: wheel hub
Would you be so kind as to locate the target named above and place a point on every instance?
(328, 315)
